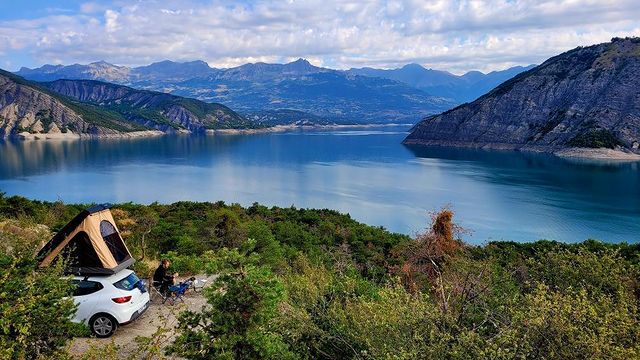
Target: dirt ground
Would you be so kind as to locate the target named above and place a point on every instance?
(157, 316)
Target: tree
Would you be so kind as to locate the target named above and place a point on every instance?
(235, 324)
(35, 306)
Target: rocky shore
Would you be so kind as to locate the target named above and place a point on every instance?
(74, 136)
(582, 103)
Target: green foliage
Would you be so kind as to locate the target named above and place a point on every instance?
(394, 325)
(191, 264)
(571, 325)
(597, 273)
(142, 115)
(595, 138)
(215, 116)
(299, 283)
(34, 305)
(99, 116)
(236, 324)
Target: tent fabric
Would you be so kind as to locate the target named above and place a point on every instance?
(96, 225)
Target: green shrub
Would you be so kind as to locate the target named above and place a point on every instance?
(206, 263)
(236, 322)
(35, 309)
(597, 138)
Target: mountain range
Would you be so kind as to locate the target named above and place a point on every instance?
(93, 108)
(367, 95)
(459, 88)
(588, 97)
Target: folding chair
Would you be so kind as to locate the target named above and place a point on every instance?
(155, 289)
(173, 293)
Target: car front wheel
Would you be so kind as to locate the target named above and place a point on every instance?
(103, 325)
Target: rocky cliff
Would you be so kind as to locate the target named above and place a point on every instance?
(92, 108)
(588, 97)
(26, 107)
(152, 109)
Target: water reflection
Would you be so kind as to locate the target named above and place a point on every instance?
(499, 195)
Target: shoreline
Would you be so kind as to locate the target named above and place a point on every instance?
(283, 128)
(26, 136)
(598, 154)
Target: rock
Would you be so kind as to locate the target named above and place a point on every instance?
(586, 97)
(80, 108)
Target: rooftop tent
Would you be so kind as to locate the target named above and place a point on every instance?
(90, 243)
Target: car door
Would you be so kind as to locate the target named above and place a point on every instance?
(85, 295)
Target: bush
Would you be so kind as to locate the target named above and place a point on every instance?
(206, 263)
(236, 322)
(597, 138)
(35, 309)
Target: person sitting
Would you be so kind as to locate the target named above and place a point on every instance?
(161, 279)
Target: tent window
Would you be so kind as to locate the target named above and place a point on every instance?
(106, 228)
(80, 252)
(113, 241)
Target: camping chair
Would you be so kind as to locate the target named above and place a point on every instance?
(155, 288)
(176, 292)
(173, 293)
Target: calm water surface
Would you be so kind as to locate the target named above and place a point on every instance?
(368, 173)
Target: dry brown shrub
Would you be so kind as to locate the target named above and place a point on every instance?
(426, 256)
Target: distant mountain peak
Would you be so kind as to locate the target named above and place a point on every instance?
(198, 62)
(413, 66)
(300, 65)
(103, 63)
(300, 61)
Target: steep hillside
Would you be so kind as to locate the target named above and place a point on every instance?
(88, 107)
(151, 109)
(588, 97)
(27, 107)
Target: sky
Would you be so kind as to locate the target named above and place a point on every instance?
(452, 35)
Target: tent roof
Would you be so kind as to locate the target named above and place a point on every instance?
(69, 228)
(96, 271)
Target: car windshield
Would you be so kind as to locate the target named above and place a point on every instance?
(128, 283)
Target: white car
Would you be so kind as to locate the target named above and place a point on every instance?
(106, 302)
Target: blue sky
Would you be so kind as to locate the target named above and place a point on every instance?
(444, 34)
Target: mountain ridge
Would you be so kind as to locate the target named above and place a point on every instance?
(588, 97)
(99, 109)
(461, 88)
(348, 96)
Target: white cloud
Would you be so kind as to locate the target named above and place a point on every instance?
(111, 21)
(92, 7)
(452, 35)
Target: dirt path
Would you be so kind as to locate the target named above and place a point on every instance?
(157, 316)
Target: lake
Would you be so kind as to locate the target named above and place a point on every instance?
(367, 173)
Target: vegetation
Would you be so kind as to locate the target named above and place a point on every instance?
(598, 138)
(301, 284)
(34, 307)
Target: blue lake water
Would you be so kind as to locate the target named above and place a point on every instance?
(366, 173)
